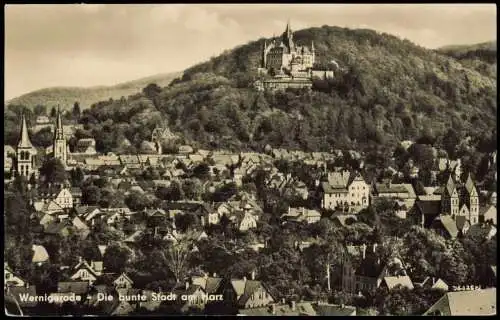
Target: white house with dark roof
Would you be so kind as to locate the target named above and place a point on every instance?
(346, 190)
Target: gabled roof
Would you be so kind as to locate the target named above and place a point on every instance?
(466, 303)
(450, 185)
(209, 284)
(393, 282)
(301, 309)
(448, 224)
(469, 184)
(39, 254)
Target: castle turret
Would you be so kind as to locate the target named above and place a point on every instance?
(264, 54)
(60, 150)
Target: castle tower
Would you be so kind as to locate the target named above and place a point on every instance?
(288, 38)
(25, 152)
(471, 199)
(264, 54)
(60, 150)
(449, 198)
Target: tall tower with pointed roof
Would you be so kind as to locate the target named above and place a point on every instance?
(471, 200)
(25, 152)
(59, 145)
(450, 198)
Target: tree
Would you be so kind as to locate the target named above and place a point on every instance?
(185, 221)
(76, 111)
(53, 112)
(40, 110)
(137, 201)
(192, 188)
(151, 91)
(115, 258)
(176, 256)
(53, 172)
(77, 177)
(91, 195)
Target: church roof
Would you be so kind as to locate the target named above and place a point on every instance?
(24, 142)
(469, 184)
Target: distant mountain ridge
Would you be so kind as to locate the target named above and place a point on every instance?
(86, 96)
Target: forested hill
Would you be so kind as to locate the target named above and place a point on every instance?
(66, 96)
(481, 57)
(392, 90)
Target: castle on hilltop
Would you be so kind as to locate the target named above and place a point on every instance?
(289, 65)
(284, 55)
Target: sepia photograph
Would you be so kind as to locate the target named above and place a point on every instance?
(291, 159)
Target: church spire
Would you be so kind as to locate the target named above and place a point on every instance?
(24, 142)
(59, 127)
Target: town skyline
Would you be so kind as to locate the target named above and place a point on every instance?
(51, 56)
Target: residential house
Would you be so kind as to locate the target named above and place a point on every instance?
(210, 285)
(404, 192)
(123, 283)
(85, 146)
(301, 215)
(62, 197)
(245, 294)
(88, 213)
(130, 161)
(345, 190)
(244, 220)
(488, 213)
(329, 310)
(196, 297)
(49, 206)
(283, 309)
(432, 283)
(84, 271)
(465, 303)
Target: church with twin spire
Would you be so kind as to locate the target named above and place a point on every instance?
(26, 154)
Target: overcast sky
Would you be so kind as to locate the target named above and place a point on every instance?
(87, 45)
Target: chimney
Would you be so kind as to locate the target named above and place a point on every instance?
(187, 285)
(253, 275)
(364, 250)
(80, 259)
(244, 279)
(375, 247)
(433, 280)
(214, 275)
(293, 305)
(283, 301)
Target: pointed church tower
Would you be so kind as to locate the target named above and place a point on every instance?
(450, 198)
(60, 150)
(25, 152)
(472, 200)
